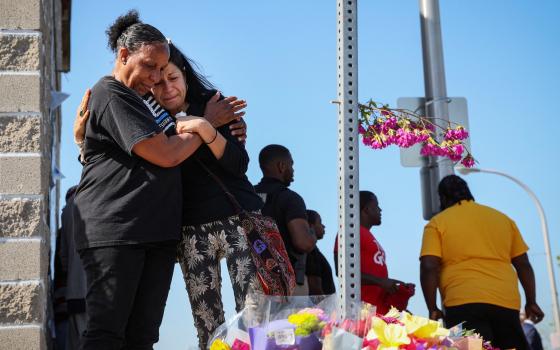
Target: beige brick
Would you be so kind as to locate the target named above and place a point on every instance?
(20, 133)
(20, 93)
(20, 14)
(21, 303)
(20, 175)
(20, 218)
(23, 260)
(19, 52)
(24, 338)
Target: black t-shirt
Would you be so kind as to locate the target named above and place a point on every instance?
(203, 199)
(122, 198)
(283, 205)
(317, 265)
(163, 119)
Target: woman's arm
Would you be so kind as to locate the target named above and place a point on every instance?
(209, 135)
(167, 151)
(235, 159)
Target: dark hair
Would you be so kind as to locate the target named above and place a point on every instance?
(452, 189)
(272, 153)
(128, 31)
(312, 216)
(365, 198)
(200, 90)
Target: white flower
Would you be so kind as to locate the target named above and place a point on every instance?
(242, 268)
(206, 315)
(197, 285)
(240, 240)
(190, 252)
(215, 277)
(217, 245)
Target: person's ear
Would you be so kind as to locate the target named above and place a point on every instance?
(123, 55)
(281, 166)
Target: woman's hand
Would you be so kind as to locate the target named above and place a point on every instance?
(190, 124)
(82, 115)
(239, 129)
(222, 112)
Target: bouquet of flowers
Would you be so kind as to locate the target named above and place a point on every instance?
(402, 330)
(302, 330)
(381, 126)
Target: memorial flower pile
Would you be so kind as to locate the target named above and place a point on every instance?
(381, 126)
(316, 329)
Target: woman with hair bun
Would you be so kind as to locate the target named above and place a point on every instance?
(211, 226)
(128, 202)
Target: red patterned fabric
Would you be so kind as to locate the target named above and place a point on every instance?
(274, 269)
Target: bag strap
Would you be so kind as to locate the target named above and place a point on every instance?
(237, 207)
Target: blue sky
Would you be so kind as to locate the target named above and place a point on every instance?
(281, 57)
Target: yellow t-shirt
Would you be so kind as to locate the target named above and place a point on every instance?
(476, 244)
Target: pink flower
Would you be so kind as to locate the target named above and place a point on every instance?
(405, 138)
(361, 129)
(455, 152)
(459, 133)
(377, 145)
(468, 161)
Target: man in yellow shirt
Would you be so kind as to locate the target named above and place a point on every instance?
(468, 251)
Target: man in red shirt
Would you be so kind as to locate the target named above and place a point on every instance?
(377, 288)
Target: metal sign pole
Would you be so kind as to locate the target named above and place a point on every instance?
(436, 101)
(348, 186)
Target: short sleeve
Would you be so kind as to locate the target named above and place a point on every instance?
(128, 121)
(431, 240)
(518, 245)
(293, 205)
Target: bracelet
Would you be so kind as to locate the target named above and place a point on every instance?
(214, 139)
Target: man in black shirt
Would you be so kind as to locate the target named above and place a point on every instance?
(318, 270)
(286, 207)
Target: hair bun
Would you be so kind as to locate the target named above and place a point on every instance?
(121, 24)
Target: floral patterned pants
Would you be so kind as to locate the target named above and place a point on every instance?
(200, 251)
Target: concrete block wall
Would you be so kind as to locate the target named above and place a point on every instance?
(29, 141)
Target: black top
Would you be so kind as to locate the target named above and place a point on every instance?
(283, 205)
(165, 121)
(122, 198)
(203, 200)
(317, 265)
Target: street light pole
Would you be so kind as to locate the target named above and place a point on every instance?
(544, 228)
(435, 168)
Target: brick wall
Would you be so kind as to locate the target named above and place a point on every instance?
(30, 47)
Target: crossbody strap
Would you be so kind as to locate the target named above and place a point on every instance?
(237, 207)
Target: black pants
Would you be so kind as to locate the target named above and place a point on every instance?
(127, 291)
(501, 326)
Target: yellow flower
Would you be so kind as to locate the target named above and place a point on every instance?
(422, 327)
(390, 336)
(306, 323)
(394, 313)
(218, 344)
